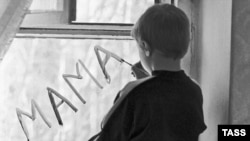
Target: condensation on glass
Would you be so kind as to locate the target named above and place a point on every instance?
(32, 65)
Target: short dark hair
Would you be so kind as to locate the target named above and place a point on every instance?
(165, 28)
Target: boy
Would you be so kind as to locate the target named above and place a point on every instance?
(167, 105)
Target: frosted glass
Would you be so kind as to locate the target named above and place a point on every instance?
(32, 65)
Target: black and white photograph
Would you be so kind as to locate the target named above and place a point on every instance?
(124, 70)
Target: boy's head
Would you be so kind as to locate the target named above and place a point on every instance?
(165, 28)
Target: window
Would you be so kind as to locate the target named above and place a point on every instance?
(69, 18)
(98, 11)
(44, 13)
(48, 45)
(32, 65)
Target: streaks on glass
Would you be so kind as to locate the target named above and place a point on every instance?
(34, 107)
(78, 76)
(90, 74)
(103, 62)
(63, 100)
(56, 106)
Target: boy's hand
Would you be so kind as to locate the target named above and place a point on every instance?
(138, 71)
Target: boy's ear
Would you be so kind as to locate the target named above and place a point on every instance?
(146, 48)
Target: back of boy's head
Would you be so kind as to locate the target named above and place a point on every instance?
(165, 28)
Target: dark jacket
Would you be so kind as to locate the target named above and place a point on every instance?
(167, 107)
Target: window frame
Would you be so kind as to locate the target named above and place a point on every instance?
(67, 29)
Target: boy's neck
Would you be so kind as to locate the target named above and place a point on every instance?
(162, 63)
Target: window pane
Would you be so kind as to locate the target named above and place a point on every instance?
(111, 11)
(46, 13)
(45, 5)
(32, 65)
